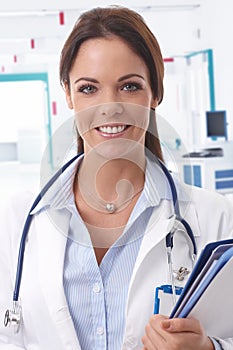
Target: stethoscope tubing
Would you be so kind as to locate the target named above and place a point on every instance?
(169, 237)
(28, 224)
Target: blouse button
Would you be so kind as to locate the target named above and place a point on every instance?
(96, 288)
(100, 330)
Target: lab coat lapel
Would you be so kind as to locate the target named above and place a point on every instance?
(52, 230)
(160, 223)
(146, 275)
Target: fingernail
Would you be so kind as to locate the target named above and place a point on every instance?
(166, 324)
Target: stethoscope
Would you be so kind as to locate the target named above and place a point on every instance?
(13, 317)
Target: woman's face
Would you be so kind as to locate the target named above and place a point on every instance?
(109, 92)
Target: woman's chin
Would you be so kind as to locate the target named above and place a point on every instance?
(117, 149)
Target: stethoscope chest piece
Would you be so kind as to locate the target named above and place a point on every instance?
(13, 317)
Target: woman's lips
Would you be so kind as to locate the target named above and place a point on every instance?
(112, 130)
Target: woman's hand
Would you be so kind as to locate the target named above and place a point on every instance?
(175, 334)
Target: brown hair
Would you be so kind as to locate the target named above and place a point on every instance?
(130, 27)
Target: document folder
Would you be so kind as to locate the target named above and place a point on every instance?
(208, 294)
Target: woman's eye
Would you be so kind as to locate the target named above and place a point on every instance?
(131, 87)
(87, 89)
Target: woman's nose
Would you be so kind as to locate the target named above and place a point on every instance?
(110, 109)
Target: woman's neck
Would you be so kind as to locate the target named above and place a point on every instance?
(110, 181)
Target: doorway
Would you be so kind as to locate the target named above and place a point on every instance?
(25, 117)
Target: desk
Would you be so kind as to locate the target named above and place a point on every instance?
(214, 173)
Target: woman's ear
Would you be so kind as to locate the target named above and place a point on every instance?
(154, 103)
(68, 96)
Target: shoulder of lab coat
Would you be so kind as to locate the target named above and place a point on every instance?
(214, 213)
(13, 215)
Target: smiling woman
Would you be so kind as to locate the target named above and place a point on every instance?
(98, 24)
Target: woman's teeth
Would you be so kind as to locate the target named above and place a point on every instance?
(112, 130)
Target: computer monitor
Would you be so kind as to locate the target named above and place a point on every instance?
(216, 124)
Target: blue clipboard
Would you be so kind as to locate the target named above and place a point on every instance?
(165, 289)
(202, 287)
(204, 257)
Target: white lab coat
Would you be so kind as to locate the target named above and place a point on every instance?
(47, 323)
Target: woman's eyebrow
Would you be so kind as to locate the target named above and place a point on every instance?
(124, 77)
(92, 80)
(127, 76)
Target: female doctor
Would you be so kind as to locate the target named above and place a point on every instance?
(96, 250)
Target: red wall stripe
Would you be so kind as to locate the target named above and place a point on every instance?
(32, 44)
(61, 18)
(170, 59)
(54, 108)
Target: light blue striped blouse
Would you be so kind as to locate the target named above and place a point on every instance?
(96, 295)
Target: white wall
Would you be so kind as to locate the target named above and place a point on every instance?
(217, 33)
